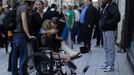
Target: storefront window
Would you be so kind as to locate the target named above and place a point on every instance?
(132, 45)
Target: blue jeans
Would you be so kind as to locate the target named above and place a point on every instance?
(19, 49)
(109, 46)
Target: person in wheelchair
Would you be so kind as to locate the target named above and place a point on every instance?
(60, 31)
(52, 39)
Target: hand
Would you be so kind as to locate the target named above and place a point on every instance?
(94, 26)
(89, 26)
(57, 37)
(32, 37)
(53, 31)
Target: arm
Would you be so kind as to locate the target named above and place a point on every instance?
(64, 33)
(115, 16)
(25, 25)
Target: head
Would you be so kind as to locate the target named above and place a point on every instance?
(75, 7)
(64, 8)
(104, 2)
(39, 5)
(55, 22)
(19, 1)
(70, 7)
(46, 25)
(87, 2)
(54, 6)
(45, 3)
(1, 7)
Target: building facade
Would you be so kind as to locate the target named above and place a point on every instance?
(125, 33)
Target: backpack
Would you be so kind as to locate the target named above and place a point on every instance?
(9, 20)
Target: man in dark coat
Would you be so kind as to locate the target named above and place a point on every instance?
(109, 20)
(88, 20)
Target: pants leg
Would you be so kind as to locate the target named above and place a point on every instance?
(68, 49)
(98, 36)
(14, 60)
(10, 61)
(23, 56)
(19, 48)
(1, 42)
(105, 48)
(109, 45)
(87, 34)
(73, 33)
(78, 32)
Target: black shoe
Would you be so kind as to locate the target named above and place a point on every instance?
(71, 65)
(96, 45)
(9, 70)
(76, 57)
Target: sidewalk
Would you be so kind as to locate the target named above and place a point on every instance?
(95, 59)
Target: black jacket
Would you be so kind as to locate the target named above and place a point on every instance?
(110, 18)
(90, 16)
(35, 23)
(50, 14)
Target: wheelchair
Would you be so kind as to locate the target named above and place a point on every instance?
(43, 63)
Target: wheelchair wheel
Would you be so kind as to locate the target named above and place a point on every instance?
(63, 70)
(37, 64)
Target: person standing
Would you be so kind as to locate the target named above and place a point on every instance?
(109, 20)
(76, 27)
(87, 21)
(99, 36)
(69, 16)
(46, 6)
(3, 30)
(20, 33)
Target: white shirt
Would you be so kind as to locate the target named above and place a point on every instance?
(77, 15)
(45, 9)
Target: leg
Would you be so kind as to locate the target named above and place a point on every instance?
(105, 47)
(9, 61)
(68, 49)
(87, 38)
(23, 55)
(111, 48)
(14, 59)
(98, 37)
(62, 56)
(73, 33)
(78, 33)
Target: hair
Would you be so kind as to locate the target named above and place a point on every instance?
(19, 1)
(54, 6)
(39, 1)
(55, 20)
(75, 7)
(70, 7)
(46, 25)
(45, 1)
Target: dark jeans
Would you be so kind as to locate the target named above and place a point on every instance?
(10, 57)
(86, 35)
(19, 49)
(76, 32)
(99, 37)
(3, 40)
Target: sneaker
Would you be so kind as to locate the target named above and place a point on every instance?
(108, 69)
(103, 66)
